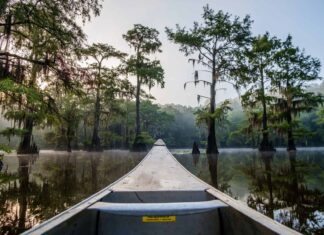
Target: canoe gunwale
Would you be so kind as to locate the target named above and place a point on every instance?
(69, 213)
(254, 215)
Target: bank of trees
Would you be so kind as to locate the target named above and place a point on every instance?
(49, 76)
(38, 42)
(52, 79)
(272, 73)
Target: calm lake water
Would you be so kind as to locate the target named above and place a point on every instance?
(286, 187)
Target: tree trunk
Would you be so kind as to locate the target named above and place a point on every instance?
(195, 148)
(27, 146)
(126, 143)
(94, 173)
(291, 142)
(69, 139)
(95, 143)
(265, 144)
(290, 138)
(211, 140)
(85, 138)
(138, 145)
(138, 118)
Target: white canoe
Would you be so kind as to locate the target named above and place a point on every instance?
(160, 196)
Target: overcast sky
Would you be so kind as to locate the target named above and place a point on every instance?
(303, 19)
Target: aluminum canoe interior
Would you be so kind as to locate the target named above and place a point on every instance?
(159, 196)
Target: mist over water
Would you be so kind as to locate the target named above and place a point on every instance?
(285, 186)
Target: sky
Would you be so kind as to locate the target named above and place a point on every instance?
(303, 19)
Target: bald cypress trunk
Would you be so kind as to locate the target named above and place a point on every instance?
(27, 145)
(95, 142)
(211, 140)
(291, 141)
(265, 144)
(138, 145)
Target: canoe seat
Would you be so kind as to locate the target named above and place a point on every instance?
(171, 208)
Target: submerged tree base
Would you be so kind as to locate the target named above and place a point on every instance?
(266, 147)
(139, 147)
(195, 148)
(140, 143)
(30, 149)
(291, 148)
(212, 149)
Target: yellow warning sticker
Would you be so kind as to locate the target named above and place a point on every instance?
(157, 219)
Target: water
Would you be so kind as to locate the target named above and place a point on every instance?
(286, 187)
(35, 188)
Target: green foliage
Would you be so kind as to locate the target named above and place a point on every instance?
(155, 120)
(143, 39)
(9, 86)
(219, 34)
(40, 42)
(8, 132)
(220, 114)
(101, 52)
(5, 148)
(293, 71)
(46, 80)
(29, 102)
(320, 114)
(218, 42)
(150, 73)
(145, 138)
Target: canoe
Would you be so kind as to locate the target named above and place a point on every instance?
(159, 196)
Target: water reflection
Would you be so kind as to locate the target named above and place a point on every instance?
(195, 159)
(261, 183)
(280, 191)
(33, 189)
(212, 166)
(287, 187)
(207, 168)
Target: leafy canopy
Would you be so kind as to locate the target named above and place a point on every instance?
(143, 39)
(216, 40)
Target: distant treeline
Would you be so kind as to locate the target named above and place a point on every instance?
(175, 124)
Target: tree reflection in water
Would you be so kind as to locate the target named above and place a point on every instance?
(220, 172)
(287, 187)
(279, 190)
(195, 159)
(45, 186)
(261, 197)
(15, 190)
